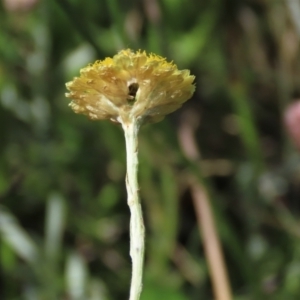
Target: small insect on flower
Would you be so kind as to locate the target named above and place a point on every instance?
(130, 85)
(132, 90)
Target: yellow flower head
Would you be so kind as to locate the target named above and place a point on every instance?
(131, 85)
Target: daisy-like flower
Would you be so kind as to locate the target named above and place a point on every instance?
(131, 85)
(131, 88)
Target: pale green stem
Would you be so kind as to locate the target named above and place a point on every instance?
(137, 230)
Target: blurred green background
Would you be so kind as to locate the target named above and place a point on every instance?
(63, 213)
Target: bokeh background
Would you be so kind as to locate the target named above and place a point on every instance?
(63, 212)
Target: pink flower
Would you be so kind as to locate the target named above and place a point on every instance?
(292, 122)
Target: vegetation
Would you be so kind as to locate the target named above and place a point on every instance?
(63, 214)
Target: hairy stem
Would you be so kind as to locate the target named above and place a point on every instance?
(137, 230)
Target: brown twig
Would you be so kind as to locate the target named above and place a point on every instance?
(205, 218)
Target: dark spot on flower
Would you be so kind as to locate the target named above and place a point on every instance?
(132, 90)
